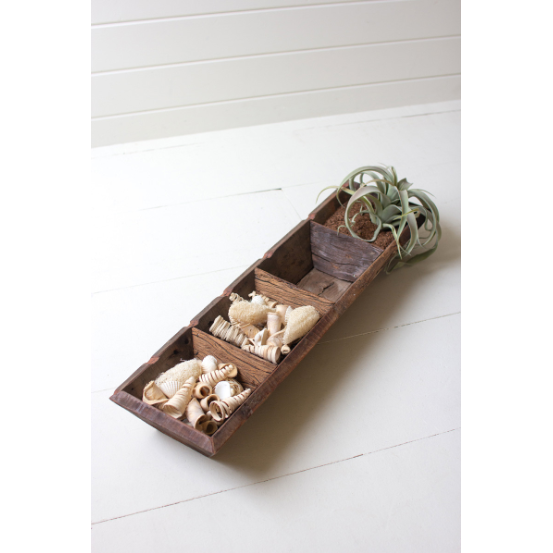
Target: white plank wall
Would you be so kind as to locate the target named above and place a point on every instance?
(173, 72)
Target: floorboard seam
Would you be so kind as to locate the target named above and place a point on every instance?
(277, 477)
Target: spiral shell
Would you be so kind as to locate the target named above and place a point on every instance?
(170, 381)
(206, 401)
(176, 406)
(227, 388)
(195, 414)
(209, 363)
(260, 339)
(202, 390)
(271, 353)
(209, 427)
(299, 322)
(152, 395)
(222, 409)
(213, 377)
(276, 339)
(230, 333)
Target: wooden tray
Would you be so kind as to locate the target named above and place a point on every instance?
(311, 265)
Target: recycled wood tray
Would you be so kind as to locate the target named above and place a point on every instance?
(311, 265)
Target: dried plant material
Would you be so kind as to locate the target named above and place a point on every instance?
(195, 414)
(152, 395)
(176, 406)
(209, 427)
(233, 370)
(244, 312)
(276, 339)
(300, 322)
(228, 388)
(221, 410)
(213, 377)
(274, 323)
(271, 353)
(206, 401)
(281, 312)
(172, 380)
(202, 390)
(260, 338)
(230, 333)
(285, 350)
(249, 330)
(287, 314)
(209, 363)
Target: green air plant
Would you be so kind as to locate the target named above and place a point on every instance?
(392, 205)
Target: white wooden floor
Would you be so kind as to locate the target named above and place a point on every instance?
(359, 449)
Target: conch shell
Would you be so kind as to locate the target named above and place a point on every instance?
(172, 380)
(230, 333)
(176, 406)
(202, 390)
(227, 388)
(206, 401)
(276, 339)
(152, 395)
(209, 363)
(221, 410)
(213, 377)
(244, 312)
(209, 427)
(267, 301)
(260, 339)
(299, 322)
(281, 312)
(195, 414)
(271, 353)
(274, 323)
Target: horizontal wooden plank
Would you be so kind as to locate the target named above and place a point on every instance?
(201, 83)
(171, 41)
(108, 11)
(258, 111)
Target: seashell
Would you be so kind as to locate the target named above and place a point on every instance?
(260, 338)
(179, 373)
(204, 404)
(209, 427)
(249, 330)
(195, 415)
(234, 370)
(230, 333)
(299, 322)
(221, 410)
(267, 301)
(152, 395)
(228, 388)
(176, 406)
(209, 363)
(202, 390)
(276, 339)
(271, 353)
(281, 312)
(244, 312)
(285, 350)
(213, 377)
(259, 300)
(235, 297)
(273, 323)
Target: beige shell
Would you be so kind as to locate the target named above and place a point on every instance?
(233, 370)
(273, 323)
(271, 353)
(209, 363)
(249, 330)
(259, 300)
(202, 390)
(244, 312)
(204, 404)
(299, 322)
(260, 338)
(230, 333)
(281, 312)
(195, 414)
(221, 410)
(213, 377)
(209, 427)
(285, 350)
(152, 395)
(228, 388)
(176, 406)
(179, 373)
(276, 339)
(235, 297)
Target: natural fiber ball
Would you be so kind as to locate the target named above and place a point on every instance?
(299, 322)
(182, 372)
(244, 312)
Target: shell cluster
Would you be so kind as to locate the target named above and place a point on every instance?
(264, 327)
(188, 390)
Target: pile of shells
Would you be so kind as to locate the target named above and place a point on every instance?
(264, 327)
(202, 393)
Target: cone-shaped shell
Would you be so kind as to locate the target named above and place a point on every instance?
(228, 388)
(244, 312)
(260, 339)
(152, 395)
(209, 363)
(176, 406)
(195, 414)
(202, 390)
(271, 353)
(233, 370)
(300, 322)
(273, 323)
(206, 401)
(213, 377)
(281, 312)
(221, 410)
(179, 373)
(209, 427)
(276, 339)
(170, 387)
(249, 330)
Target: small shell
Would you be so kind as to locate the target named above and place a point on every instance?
(271, 353)
(285, 350)
(281, 312)
(249, 330)
(230, 333)
(276, 339)
(209, 427)
(228, 388)
(170, 388)
(259, 300)
(260, 338)
(244, 312)
(176, 406)
(273, 323)
(299, 322)
(235, 297)
(221, 410)
(202, 390)
(152, 395)
(206, 401)
(213, 377)
(209, 363)
(233, 370)
(179, 373)
(195, 415)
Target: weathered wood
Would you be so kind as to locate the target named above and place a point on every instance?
(339, 255)
(287, 293)
(290, 258)
(323, 285)
(326, 208)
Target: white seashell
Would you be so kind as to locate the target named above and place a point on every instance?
(233, 371)
(271, 353)
(206, 401)
(285, 350)
(276, 339)
(221, 410)
(170, 388)
(273, 323)
(213, 377)
(228, 388)
(299, 322)
(202, 390)
(179, 373)
(152, 395)
(281, 312)
(249, 330)
(176, 406)
(230, 333)
(209, 363)
(195, 414)
(259, 300)
(260, 338)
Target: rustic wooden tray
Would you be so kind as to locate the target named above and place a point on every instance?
(311, 265)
